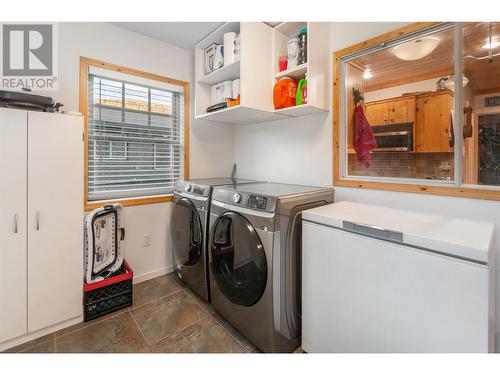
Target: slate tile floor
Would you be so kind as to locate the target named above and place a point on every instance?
(165, 318)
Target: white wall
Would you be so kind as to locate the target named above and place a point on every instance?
(297, 150)
(479, 107)
(212, 145)
(300, 151)
(393, 92)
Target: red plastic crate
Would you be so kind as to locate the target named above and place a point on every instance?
(108, 295)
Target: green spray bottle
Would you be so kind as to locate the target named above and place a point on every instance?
(301, 96)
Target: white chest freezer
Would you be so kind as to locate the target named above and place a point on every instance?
(377, 279)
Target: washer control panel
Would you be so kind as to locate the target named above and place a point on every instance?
(246, 200)
(257, 202)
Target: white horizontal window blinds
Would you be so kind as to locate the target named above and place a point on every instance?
(135, 138)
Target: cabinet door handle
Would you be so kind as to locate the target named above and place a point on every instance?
(15, 223)
(37, 220)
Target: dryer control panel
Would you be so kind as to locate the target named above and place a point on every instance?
(187, 188)
(198, 190)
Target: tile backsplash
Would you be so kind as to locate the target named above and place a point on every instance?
(434, 166)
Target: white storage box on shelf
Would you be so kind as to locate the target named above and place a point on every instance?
(376, 279)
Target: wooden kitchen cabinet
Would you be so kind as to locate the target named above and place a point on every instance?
(393, 111)
(402, 111)
(377, 113)
(433, 122)
(430, 113)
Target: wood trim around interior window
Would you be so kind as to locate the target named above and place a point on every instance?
(85, 63)
(457, 191)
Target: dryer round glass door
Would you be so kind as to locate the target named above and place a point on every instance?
(187, 234)
(239, 264)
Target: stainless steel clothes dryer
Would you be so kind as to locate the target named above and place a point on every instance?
(188, 231)
(255, 252)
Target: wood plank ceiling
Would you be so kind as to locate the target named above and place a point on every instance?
(484, 77)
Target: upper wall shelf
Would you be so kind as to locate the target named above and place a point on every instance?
(218, 35)
(257, 69)
(299, 110)
(296, 72)
(315, 70)
(253, 69)
(240, 115)
(225, 73)
(290, 28)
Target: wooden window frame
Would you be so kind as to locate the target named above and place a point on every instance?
(85, 64)
(457, 190)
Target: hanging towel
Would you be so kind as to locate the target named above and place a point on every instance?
(364, 140)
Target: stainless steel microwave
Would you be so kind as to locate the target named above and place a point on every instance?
(394, 138)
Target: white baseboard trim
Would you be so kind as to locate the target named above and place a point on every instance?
(152, 274)
(42, 332)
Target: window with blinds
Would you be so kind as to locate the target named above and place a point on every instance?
(135, 138)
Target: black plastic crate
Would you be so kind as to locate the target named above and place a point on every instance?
(108, 295)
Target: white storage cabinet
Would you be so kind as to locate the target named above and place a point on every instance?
(314, 70)
(253, 69)
(41, 223)
(260, 48)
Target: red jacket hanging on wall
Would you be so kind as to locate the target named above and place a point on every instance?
(363, 138)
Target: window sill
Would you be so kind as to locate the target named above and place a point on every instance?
(127, 202)
(465, 191)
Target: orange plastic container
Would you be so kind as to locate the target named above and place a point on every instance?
(284, 93)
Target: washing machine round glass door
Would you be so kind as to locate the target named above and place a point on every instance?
(186, 233)
(239, 264)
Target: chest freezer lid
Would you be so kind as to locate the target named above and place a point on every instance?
(463, 238)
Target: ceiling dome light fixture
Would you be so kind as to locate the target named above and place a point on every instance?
(492, 45)
(367, 74)
(416, 49)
